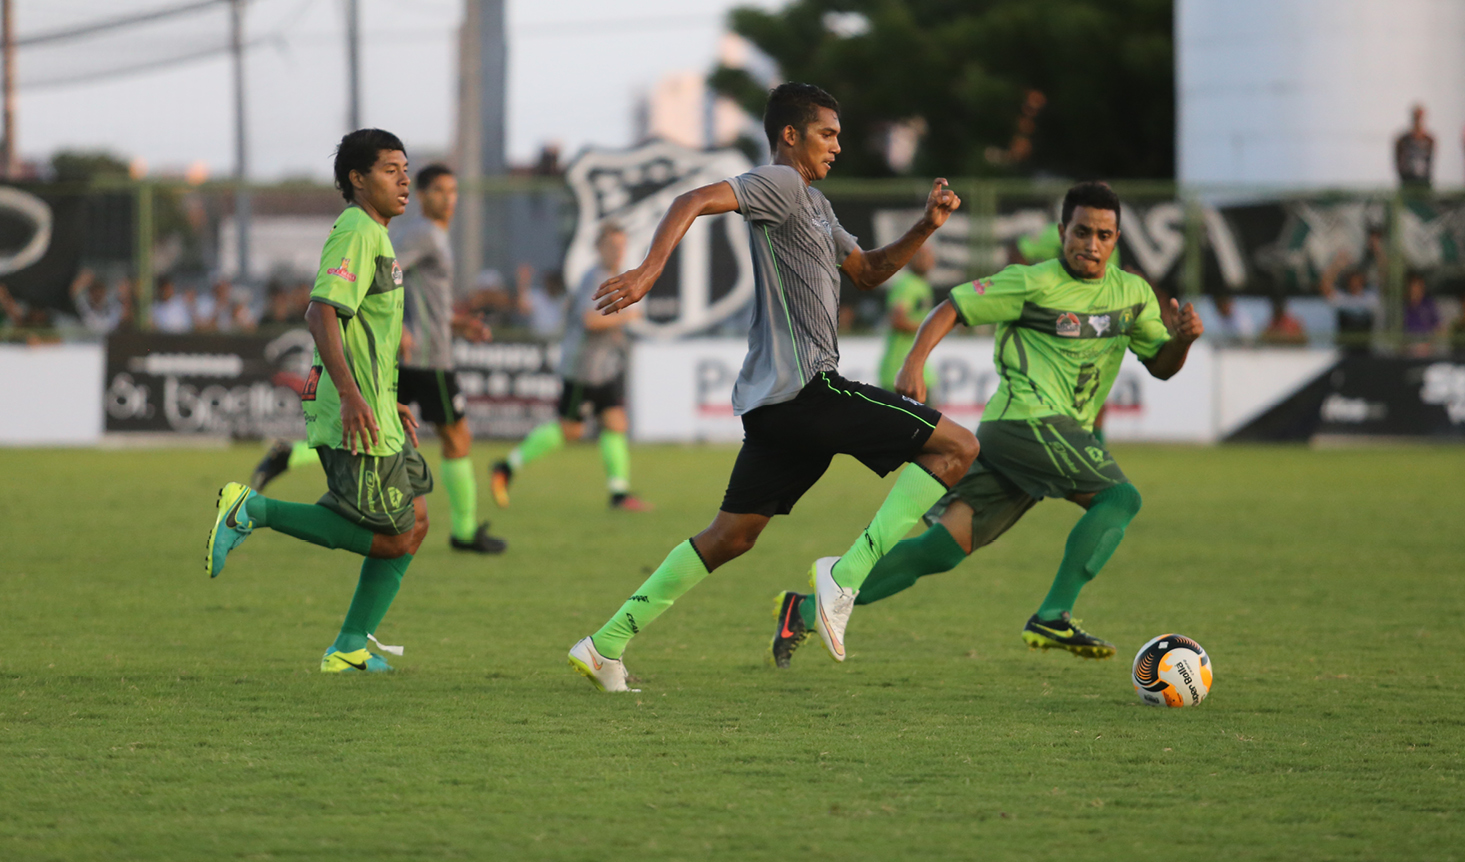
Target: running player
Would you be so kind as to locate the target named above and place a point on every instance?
(907, 301)
(376, 480)
(797, 411)
(593, 377)
(1063, 327)
(426, 377)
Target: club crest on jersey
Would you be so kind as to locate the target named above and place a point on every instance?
(343, 271)
(396, 273)
(1126, 317)
(1100, 323)
(822, 224)
(1068, 325)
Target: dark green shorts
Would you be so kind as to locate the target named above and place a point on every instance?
(1023, 461)
(375, 492)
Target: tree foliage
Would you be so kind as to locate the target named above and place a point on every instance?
(966, 67)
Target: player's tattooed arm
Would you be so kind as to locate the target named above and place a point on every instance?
(358, 424)
(1171, 357)
(626, 289)
(910, 381)
(870, 269)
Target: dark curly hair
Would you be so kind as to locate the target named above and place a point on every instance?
(358, 151)
(1094, 195)
(796, 105)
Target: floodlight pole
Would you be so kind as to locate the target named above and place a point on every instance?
(7, 35)
(241, 152)
(353, 64)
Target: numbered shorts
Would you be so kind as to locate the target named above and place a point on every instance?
(1021, 462)
(579, 400)
(375, 491)
(788, 446)
(434, 391)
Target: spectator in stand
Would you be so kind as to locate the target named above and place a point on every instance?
(541, 306)
(12, 313)
(1421, 315)
(279, 305)
(99, 312)
(224, 311)
(1232, 325)
(1356, 306)
(1284, 328)
(1414, 154)
(172, 312)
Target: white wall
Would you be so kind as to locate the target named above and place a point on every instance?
(1311, 93)
(51, 395)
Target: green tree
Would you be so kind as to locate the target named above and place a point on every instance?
(967, 68)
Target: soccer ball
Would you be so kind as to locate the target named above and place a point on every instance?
(1172, 670)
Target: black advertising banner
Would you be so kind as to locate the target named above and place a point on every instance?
(243, 386)
(510, 386)
(1368, 396)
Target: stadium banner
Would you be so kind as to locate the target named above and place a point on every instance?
(242, 386)
(509, 386)
(50, 394)
(681, 391)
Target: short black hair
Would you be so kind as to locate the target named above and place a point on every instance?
(428, 175)
(358, 151)
(796, 105)
(1094, 195)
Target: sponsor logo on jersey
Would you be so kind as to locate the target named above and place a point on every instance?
(307, 392)
(396, 274)
(1099, 322)
(980, 286)
(344, 271)
(1068, 325)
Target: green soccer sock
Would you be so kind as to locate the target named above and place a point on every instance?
(540, 442)
(616, 456)
(380, 580)
(462, 491)
(930, 553)
(680, 571)
(311, 522)
(1090, 545)
(913, 493)
(301, 454)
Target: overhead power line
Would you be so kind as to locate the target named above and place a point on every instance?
(107, 24)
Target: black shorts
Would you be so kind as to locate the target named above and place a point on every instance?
(579, 401)
(434, 391)
(788, 446)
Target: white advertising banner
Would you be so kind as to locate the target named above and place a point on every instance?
(681, 391)
(52, 394)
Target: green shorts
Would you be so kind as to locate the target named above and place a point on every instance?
(375, 491)
(1023, 461)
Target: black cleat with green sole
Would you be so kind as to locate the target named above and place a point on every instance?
(1064, 633)
(791, 632)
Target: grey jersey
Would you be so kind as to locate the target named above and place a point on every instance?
(426, 259)
(797, 246)
(592, 358)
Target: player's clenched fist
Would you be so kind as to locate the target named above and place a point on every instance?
(941, 203)
(1188, 326)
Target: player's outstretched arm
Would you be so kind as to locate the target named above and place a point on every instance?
(1171, 358)
(910, 381)
(358, 424)
(626, 289)
(870, 269)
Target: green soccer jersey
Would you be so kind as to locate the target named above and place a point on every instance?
(911, 293)
(360, 278)
(1060, 340)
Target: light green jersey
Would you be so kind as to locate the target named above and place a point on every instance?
(912, 293)
(1060, 340)
(360, 278)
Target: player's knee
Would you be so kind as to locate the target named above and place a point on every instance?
(1123, 497)
(572, 431)
(392, 547)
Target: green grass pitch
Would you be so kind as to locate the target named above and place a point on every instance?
(147, 712)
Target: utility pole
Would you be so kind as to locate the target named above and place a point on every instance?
(482, 223)
(353, 63)
(7, 36)
(241, 152)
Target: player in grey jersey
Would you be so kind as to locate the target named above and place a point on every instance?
(425, 376)
(593, 378)
(797, 411)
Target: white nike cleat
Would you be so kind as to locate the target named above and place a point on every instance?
(834, 604)
(608, 674)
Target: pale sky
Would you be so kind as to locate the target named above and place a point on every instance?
(575, 70)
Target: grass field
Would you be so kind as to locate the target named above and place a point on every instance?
(149, 713)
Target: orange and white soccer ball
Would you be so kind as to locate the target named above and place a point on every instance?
(1172, 670)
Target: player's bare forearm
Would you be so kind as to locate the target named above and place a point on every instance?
(626, 289)
(321, 319)
(870, 269)
(1171, 357)
(911, 379)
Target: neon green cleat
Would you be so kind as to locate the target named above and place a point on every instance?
(1064, 633)
(335, 661)
(231, 526)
